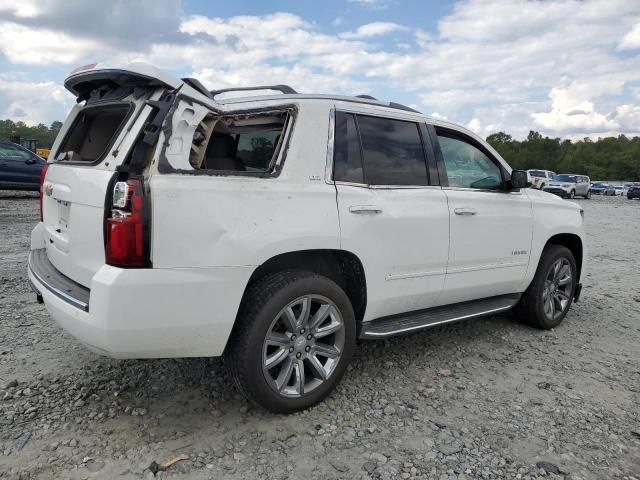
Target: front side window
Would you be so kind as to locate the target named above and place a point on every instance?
(467, 166)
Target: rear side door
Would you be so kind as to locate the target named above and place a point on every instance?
(392, 217)
(490, 225)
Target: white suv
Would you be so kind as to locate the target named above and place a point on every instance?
(278, 230)
(540, 178)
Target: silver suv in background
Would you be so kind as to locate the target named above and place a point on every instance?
(570, 185)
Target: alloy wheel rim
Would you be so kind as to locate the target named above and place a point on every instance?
(557, 289)
(303, 346)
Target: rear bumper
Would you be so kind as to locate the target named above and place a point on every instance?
(634, 194)
(145, 313)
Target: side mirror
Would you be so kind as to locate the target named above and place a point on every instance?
(519, 179)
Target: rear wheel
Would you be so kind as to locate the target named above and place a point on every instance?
(588, 195)
(548, 298)
(294, 338)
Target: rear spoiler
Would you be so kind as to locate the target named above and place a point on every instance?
(83, 80)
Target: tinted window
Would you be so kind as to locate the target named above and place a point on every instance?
(256, 149)
(566, 178)
(392, 152)
(9, 152)
(347, 159)
(537, 173)
(467, 166)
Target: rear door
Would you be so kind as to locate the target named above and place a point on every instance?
(490, 226)
(391, 216)
(95, 139)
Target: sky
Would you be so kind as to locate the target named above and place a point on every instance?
(565, 68)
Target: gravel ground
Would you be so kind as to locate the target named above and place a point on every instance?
(489, 398)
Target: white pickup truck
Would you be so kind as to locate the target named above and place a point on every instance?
(277, 230)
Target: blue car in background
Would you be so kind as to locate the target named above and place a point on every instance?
(19, 167)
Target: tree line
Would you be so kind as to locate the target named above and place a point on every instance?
(42, 134)
(610, 158)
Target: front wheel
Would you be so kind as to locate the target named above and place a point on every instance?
(548, 298)
(294, 337)
(572, 194)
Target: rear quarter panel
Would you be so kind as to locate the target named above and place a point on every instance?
(227, 220)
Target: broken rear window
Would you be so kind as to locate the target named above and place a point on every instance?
(92, 133)
(239, 143)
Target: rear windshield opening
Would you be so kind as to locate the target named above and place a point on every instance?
(238, 143)
(92, 132)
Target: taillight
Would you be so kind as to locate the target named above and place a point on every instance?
(125, 231)
(43, 174)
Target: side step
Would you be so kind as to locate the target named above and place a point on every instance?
(411, 321)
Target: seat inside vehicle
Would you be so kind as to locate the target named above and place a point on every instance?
(247, 143)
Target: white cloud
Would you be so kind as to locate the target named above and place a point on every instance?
(554, 65)
(22, 44)
(32, 102)
(374, 29)
(631, 38)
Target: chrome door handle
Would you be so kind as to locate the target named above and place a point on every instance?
(365, 209)
(465, 211)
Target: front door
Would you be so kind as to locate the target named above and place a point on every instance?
(490, 226)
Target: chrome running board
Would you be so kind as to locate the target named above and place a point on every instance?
(431, 317)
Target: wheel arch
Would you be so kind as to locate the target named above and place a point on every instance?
(341, 266)
(574, 243)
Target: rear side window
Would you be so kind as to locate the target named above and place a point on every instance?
(389, 152)
(92, 133)
(347, 160)
(239, 143)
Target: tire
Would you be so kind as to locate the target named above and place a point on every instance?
(273, 306)
(572, 194)
(588, 195)
(533, 308)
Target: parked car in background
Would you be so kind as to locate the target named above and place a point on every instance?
(601, 188)
(540, 178)
(620, 190)
(20, 168)
(569, 185)
(633, 191)
(278, 230)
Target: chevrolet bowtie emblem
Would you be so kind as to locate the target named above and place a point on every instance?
(48, 189)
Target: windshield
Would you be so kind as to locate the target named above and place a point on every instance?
(565, 178)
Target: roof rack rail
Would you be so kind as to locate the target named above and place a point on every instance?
(286, 89)
(368, 97)
(196, 85)
(400, 106)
